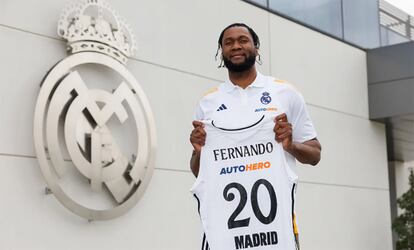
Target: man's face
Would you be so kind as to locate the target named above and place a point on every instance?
(238, 50)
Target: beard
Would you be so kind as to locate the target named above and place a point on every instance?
(240, 67)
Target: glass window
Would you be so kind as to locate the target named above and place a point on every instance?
(259, 2)
(361, 22)
(321, 14)
(389, 37)
(384, 37)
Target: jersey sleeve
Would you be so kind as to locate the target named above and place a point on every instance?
(302, 126)
(199, 113)
(204, 105)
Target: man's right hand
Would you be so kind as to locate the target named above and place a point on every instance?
(198, 136)
(197, 139)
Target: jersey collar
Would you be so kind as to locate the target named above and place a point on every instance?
(259, 82)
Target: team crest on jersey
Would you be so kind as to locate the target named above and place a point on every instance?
(265, 99)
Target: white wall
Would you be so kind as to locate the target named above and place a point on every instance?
(343, 203)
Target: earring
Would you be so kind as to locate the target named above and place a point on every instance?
(259, 59)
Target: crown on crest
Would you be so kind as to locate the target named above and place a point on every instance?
(92, 25)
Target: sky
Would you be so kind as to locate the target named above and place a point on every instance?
(405, 5)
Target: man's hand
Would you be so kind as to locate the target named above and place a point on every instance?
(308, 152)
(283, 132)
(198, 136)
(197, 139)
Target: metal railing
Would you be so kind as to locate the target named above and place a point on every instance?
(396, 20)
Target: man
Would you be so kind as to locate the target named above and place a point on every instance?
(240, 95)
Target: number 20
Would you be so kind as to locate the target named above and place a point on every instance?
(232, 222)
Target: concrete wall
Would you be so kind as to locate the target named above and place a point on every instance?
(342, 204)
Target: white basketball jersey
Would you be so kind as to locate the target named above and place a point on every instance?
(245, 189)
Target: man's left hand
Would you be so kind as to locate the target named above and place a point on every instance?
(283, 132)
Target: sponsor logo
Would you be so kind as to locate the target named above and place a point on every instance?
(222, 107)
(265, 109)
(265, 99)
(246, 168)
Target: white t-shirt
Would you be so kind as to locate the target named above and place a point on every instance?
(233, 107)
(245, 189)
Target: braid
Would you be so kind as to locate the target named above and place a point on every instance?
(221, 65)
(255, 37)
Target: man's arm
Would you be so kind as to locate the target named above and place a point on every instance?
(308, 152)
(195, 163)
(197, 139)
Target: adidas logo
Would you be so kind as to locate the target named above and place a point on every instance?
(222, 107)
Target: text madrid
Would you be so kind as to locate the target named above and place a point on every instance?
(255, 240)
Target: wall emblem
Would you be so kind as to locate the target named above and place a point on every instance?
(94, 131)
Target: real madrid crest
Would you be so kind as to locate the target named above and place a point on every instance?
(265, 99)
(94, 131)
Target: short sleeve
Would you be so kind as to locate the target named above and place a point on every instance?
(198, 114)
(302, 126)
